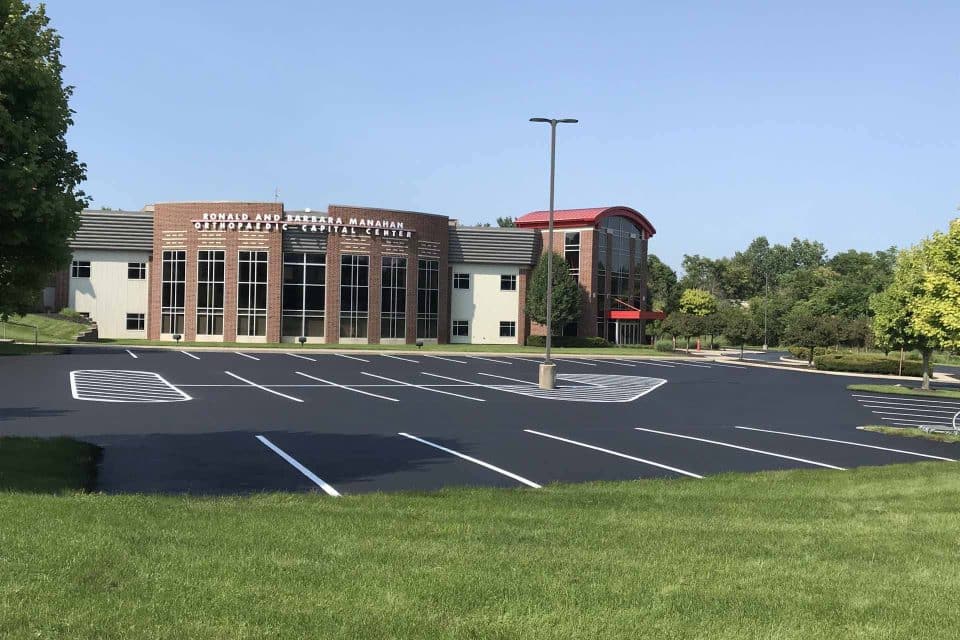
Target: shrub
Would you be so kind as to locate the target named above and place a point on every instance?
(664, 345)
(567, 341)
(860, 363)
(803, 353)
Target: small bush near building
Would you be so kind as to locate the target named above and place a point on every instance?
(567, 341)
(860, 363)
(664, 345)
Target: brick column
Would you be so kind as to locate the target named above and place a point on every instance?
(332, 306)
(411, 292)
(373, 293)
(523, 323)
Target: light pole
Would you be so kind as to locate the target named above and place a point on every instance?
(766, 303)
(548, 370)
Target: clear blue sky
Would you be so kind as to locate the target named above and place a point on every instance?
(719, 121)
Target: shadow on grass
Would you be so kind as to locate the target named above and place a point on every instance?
(47, 465)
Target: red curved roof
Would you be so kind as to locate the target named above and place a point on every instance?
(583, 218)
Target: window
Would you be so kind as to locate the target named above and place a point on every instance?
(508, 329)
(428, 297)
(393, 297)
(136, 271)
(571, 251)
(135, 321)
(354, 295)
(508, 283)
(172, 288)
(304, 294)
(80, 269)
(252, 293)
(461, 281)
(210, 293)
(461, 328)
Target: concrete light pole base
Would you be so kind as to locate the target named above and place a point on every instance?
(548, 376)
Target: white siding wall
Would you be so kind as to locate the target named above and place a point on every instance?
(484, 305)
(108, 295)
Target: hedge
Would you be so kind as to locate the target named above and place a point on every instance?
(567, 341)
(664, 345)
(860, 363)
(803, 353)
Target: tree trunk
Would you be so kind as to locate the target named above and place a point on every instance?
(925, 355)
(741, 352)
(810, 357)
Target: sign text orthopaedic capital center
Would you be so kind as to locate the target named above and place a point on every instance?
(272, 222)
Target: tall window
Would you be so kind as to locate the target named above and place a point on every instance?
(304, 294)
(252, 293)
(210, 292)
(393, 298)
(571, 251)
(354, 295)
(172, 288)
(601, 283)
(428, 297)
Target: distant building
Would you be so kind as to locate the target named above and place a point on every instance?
(255, 272)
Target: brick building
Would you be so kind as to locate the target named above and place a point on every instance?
(255, 272)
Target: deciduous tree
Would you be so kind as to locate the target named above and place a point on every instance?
(40, 201)
(566, 294)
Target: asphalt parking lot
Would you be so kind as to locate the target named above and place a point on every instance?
(226, 422)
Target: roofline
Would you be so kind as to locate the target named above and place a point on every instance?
(604, 212)
(417, 213)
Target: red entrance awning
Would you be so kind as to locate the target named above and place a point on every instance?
(636, 315)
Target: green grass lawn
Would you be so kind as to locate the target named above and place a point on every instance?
(867, 553)
(51, 328)
(911, 432)
(46, 465)
(894, 389)
(645, 351)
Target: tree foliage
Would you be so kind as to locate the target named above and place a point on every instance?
(663, 292)
(505, 221)
(40, 201)
(566, 294)
(698, 302)
(805, 328)
(937, 313)
(739, 327)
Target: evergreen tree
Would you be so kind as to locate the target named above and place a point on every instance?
(566, 294)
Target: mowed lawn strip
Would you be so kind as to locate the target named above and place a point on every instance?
(47, 465)
(866, 553)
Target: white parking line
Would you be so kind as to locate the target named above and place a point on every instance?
(334, 384)
(855, 444)
(655, 364)
(350, 357)
(246, 355)
(132, 354)
(689, 364)
(190, 354)
(896, 408)
(387, 355)
(609, 361)
(910, 399)
(736, 446)
(490, 360)
(297, 355)
(520, 479)
(419, 386)
(299, 467)
(724, 364)
(931, 421)
(577, 361)
(615, 453)
(916, 423)
(466, 382)
(506, 378)
(448, 359)
(258, 386)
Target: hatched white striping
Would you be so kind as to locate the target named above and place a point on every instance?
(114, 385)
